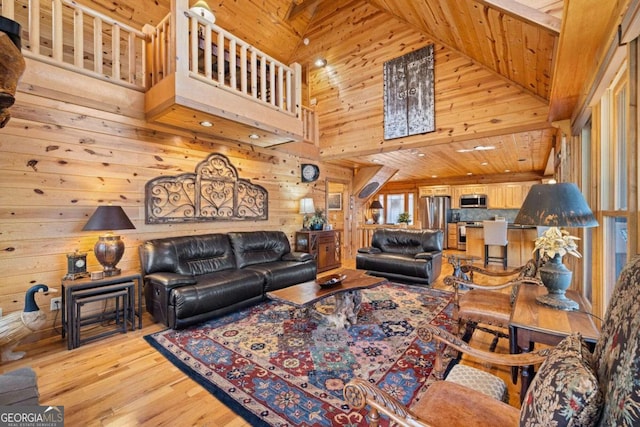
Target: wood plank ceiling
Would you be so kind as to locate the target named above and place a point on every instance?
(514, 42)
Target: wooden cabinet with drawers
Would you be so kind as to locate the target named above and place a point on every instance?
(325, 246)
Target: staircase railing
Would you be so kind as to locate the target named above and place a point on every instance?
(56, 32)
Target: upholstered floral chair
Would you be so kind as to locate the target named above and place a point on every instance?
(573, 387)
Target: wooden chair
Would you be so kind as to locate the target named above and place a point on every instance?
(485, 307)
(572, 386)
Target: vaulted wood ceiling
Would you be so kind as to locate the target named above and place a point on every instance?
(534, 57)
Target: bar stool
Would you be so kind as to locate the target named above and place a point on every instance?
(495, 234)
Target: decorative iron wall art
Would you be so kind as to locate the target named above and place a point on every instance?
(409, 94)
(214, 192)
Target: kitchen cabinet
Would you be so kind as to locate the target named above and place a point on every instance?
(325, 246)
(452, 236)
(434, 190)
(509, 195)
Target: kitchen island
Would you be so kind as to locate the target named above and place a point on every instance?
(521, 243)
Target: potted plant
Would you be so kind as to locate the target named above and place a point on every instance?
(554, 244)
(317, 221)
(404, 219)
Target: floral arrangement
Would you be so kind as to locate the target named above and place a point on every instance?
(555, 241)
(404, 217)
(318, 218)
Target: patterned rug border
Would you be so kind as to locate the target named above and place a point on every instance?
(220, 394)
(235, 406)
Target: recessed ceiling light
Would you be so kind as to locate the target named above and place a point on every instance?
(476, 148)
(206, 123)
(254, 136)
(484, 163)
(469, 173)
(421, 154)
(507, 170)
(320, 62)
(434, 176)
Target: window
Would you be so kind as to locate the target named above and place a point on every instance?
(397, 203)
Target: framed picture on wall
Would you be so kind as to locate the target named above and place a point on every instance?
(335, 201)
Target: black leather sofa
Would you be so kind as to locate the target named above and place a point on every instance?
(413, 256)
(190, 279)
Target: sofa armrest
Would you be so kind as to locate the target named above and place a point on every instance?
(171, 280)
(427, 255)
(297, 256)
(369, 250)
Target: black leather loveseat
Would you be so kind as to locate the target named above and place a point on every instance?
(190, 279)
(413, 256)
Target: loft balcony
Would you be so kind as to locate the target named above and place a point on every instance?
(181, 73)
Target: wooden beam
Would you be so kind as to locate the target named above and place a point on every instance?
(297, 9)
(525, 13)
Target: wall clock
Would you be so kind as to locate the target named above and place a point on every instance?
(309, 172)
(76, 266)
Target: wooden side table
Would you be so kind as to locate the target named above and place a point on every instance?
(70, 286)
(532, 322)
(324, 245)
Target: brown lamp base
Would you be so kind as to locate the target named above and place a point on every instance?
(109, 250)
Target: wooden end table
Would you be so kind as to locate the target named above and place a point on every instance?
(533, 322)
(347, 295)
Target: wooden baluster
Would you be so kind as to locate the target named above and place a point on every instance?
(243, 69)
(220, 57)
(56, 25)
(195, 44)
(131, 43)
(208, 65)
(254, 74)
(34, 26)
(78, 38)
(272, 82)
(263, 78)
(97, 45)
(232, 64)
(280, 101)
(8, 9)
(289, 97)
(115, 52)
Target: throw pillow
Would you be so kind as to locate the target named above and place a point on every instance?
(565, 390)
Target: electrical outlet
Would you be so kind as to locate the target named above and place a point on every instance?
(55, 303)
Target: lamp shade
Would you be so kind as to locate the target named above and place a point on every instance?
(556, 205)
(108, 218)
(306, 206)
(376, 205)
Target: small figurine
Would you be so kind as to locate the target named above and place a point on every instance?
(18, 325)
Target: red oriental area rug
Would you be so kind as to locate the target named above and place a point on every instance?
(274, 365)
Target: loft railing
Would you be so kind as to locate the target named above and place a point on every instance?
(71, 36)
(68, 35)
(210, 54)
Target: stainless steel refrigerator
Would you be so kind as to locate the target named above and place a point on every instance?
(435, 214)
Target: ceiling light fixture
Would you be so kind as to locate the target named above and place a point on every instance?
(254, 136)
(320, 62)
(201, 8)
(476, 148)
(206, 123)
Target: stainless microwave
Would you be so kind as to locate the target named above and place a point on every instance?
(473, 201)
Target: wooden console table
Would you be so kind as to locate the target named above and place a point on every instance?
(532, 322)
(325, 246)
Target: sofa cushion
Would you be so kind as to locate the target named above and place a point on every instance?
(188, 255)
(281, 274)
(565, 392)
(215, 291)
(399, 264)
(407, 241)
(257, 247)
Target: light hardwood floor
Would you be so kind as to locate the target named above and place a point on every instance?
(122, 381)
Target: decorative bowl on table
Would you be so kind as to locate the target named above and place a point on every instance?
(331, 280)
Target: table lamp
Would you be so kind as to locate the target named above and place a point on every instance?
(376, 207)
(554, 206)
(109, 248)
(306, 208)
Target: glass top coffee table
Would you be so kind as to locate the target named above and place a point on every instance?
(346, 294)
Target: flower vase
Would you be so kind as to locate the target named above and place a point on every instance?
(315, 227)
(557, 279)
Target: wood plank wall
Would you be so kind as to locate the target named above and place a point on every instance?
(470, 100)
(59, 160)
